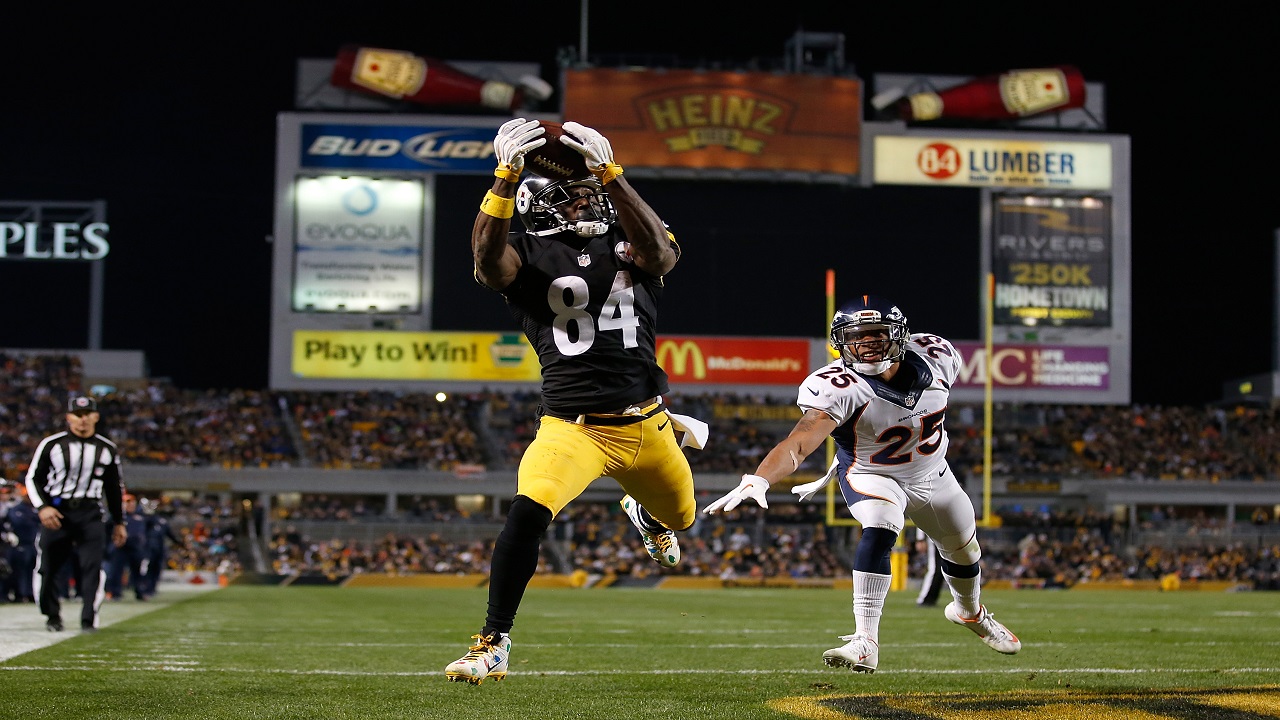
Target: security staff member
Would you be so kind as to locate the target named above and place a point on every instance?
(131, 557)
(70, 476)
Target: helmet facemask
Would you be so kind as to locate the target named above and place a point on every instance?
(870, 339)
(545, 207)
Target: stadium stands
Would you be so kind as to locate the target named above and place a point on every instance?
(1047, 537)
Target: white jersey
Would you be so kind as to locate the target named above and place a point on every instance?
(883, 430)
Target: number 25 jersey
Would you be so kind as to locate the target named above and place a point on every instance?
(883, 429)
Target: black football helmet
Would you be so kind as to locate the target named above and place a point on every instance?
(849, 329)
(539, 202)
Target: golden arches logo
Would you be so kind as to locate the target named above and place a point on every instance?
(674, 357)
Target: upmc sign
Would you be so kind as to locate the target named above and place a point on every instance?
(733, 361)
(1036, 367)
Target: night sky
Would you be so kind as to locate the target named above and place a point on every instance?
(169, 116)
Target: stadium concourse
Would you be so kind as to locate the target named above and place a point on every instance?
(399, 483)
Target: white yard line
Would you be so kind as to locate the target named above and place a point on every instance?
(698, 671)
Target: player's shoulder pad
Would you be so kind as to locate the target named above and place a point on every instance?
(829, 381)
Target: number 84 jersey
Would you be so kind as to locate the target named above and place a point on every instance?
(890, 428)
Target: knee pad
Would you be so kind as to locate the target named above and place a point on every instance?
(962, 562)
(873, 551)
(527, 520)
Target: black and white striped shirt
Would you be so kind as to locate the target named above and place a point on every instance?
(69, 470)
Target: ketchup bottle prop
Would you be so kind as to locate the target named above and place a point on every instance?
(404, 76)
(1014, 94)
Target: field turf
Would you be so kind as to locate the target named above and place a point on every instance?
(246, 652)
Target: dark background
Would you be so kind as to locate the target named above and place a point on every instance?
(168, 113)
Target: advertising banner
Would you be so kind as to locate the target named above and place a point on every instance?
(721, 120)
(1051, 258)
(733, 360)
(397, 147)
(994, 162)
(54, 230)
(414, 356)
(1036, 367)
(358, 245)
(508, 357)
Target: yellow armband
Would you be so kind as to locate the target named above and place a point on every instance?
(499, 207)
(607, 172)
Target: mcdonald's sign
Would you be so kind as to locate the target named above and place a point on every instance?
(734, 361)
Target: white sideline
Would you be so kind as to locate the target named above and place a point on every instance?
(22, 626)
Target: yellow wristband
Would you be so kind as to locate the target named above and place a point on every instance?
(506, 172)
(499, 207)
(607, 172)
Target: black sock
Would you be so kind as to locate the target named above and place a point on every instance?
(650, 523)
(515, 560)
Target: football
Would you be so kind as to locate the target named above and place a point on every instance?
(554, 159)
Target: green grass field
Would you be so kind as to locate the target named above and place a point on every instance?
(297, 652)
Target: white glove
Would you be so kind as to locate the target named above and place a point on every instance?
(514, 139)
(808, 490)
(594, 148)
(752, 486)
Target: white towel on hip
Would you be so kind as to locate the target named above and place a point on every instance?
(691, 432)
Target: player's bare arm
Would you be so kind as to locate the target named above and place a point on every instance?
(650, 241)
(809, 434)
(496, 261)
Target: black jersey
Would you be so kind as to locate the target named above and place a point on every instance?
(590, 313)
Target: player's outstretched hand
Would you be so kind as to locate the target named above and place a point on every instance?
(515, 138)
(752, 486)
(594, 148)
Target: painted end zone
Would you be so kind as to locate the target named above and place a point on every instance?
(1180, 704)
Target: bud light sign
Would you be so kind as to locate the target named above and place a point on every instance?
(390, 147)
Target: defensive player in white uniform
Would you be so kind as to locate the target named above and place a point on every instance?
(883, 402)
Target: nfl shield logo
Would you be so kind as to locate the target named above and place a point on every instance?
(584, 260)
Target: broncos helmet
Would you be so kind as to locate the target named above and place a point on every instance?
(869, 355)
(539, 202)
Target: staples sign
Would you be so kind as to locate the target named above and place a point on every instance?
(54, 240)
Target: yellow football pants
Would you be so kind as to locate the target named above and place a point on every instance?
(643, 457)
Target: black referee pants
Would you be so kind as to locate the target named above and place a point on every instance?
(83, 532)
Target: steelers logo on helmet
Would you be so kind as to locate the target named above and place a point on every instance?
(869, 334)
(547, 207)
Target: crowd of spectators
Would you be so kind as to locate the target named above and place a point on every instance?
(383, 430)
(211, 531)
(1033, 548)
(157, 423)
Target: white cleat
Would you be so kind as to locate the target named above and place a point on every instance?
(986, 627)
(663, 547)
(486, 659)
(860, 654)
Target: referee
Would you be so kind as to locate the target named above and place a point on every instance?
(70, 476)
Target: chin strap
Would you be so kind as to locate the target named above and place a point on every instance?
(874, 368)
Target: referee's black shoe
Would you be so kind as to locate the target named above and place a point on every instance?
(54, 624)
